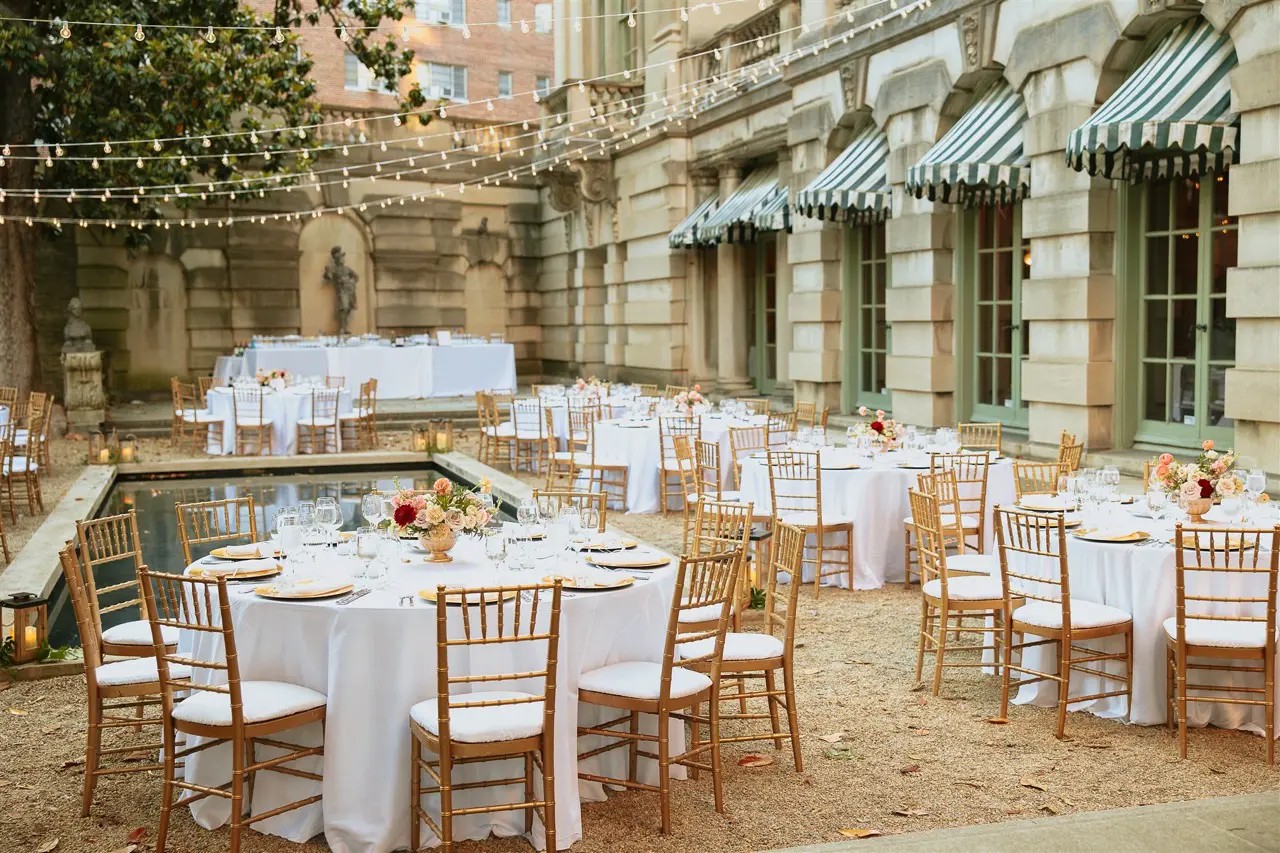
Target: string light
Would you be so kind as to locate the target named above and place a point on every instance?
(138, 34)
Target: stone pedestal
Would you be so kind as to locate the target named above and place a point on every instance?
(82, 390)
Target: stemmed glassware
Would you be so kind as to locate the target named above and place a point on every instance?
(495, 547)
(371, 508)
(366, 548)
(288, 537)
(329, 515)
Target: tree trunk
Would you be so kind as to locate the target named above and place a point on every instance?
(19, 357)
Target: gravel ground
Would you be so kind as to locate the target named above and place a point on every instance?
(880, 753)
(68, 457)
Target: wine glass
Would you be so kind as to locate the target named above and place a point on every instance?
(527, 514)
(289, 537)
(571, 517)
(1157, 501)
(495, 547)
(329, 515)
(371, 508)
(589, 518)
(366, 548)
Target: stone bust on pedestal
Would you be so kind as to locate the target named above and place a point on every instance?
(76, 334)
(83, 394)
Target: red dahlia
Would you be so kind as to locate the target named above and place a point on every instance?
(877, 426)
(404, 515)
(1206, 488)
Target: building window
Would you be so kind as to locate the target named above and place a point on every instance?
(358, 78)
(867, 332)
(504, 13)
(999, 263)
(543, 85)
(452, 13)
(504, 84)
(629, 36)
(443, 81)
(542, 17)
(762, 316)
(1187, 342)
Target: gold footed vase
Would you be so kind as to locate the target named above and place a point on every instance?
(438, 544)
(1196, 508)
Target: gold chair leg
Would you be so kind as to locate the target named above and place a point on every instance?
(415, 793)
(793, 722)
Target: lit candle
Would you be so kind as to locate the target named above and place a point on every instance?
(442, 440)
(29, 637)
(126, 453)
(104, 455)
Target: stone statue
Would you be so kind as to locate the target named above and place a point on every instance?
(343, 278)
(76, 334)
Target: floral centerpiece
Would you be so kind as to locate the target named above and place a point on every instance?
(1197, 483)
(276, 379)
(881, 429)
(438, 515)
(686, 400)
(591, 385)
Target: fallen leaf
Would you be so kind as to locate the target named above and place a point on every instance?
(1028, 782)
(858, 832)
(135, 837)
(910, 770)
(972, 783)
(1050, 809)
(834, 737)
(918, 687)
(911, 812)
(922, 701)
(755, 760)
(49, 846)
(922, 732)
(998, 721)
(17, 712)
(75, 762)
(1216, 771)
(844, 752)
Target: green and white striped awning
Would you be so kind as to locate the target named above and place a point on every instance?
(979, 160)
(735, 220)
(855, 186)
(775, 213)
(684, 235)
(1171, 117)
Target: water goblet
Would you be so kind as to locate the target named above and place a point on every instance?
(527, 513)
(589, 518)
(571, 517)
(1157, 501)
(289, 537)
(495, 547)
(366, 548)
(371, 508)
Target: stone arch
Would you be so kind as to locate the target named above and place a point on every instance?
(485, 299)
(156, 339)
(316, 298)
(1136, 40)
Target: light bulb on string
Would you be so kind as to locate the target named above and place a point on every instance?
(210, 36)
(278, 38)
(684, 13)
(106, 148)
(466, 31)
(342, 34)
(138, 34)
(631, 20)
(524, 25)
(65, 31)
(205, 142)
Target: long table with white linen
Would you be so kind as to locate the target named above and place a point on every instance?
(412, 371)
(872, 492)
(374, 660)
(284, 408)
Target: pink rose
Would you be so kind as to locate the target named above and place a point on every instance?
(1190, 490)
(879, 414)
(862, 410)
(421, 519)
(1165, 459)
(1162, 470)
(443, 486)
(453, 518)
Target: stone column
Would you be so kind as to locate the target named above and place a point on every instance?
(696, 263)
(783, 284)
(588, 310)
(731, 307)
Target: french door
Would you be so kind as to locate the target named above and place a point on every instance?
(762, 316)
(1186, 341)
(866, 330)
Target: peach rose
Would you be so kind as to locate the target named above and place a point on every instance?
(862, 410)
(1190, 490)
(1165, 459)
(486, 485)
(1227, 486)
(879, 414)
(442, 486)
(1208, 444)
(1162, 470)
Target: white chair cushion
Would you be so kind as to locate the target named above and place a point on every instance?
(263, 700)
(199, 416)
(483, 725)
(19, 465)
(20, 437)
(137, 671)
(580, 457)
(706, 613)
(1084, 614)
(253, 422)
(138, 633)
(724, 496)
(1223, 634)
(736, 647)
(529, 435)
(986, 563)
(969, 522)
(966, 588)
(675, 466)
(642, 680)
(505, 429)
(316, 422)
(810, 519)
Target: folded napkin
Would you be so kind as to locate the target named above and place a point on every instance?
(242, 550)
(241, 567)
(628, 559)
(1047, 502)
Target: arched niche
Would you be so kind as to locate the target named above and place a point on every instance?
(317, 299)
(485, 299)
(157, 339)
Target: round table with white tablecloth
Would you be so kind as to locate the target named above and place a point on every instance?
(283, 408)
(374, 659)
(635, 444)
(874, 496)
(1140, 579)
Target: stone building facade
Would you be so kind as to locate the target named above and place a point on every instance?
(1131, 296)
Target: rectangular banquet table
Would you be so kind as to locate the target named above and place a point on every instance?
(374, 659)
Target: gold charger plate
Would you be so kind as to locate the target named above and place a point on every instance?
(301, 593)
(271, 572)
(1035, 506)
(852, 466)
(602, 560)
(221, 554)
(570, 582)
(1231, 543)
(430, 595)
(1099, 536)
(619, 545)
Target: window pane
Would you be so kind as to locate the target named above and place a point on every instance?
(1155, 400)
(1157, 328)
(1004, 382)
(504, 13)
(1186, 203)
(458, 13)
(986, 288)
(1184, 390)
(1184, 328)
(1003, 215)
(351, 71)
(1004, 276)
(985, 228)
(1157, 265)
(1026, 260)
(1223, 242)
(542, 17)
(1222, 332)
(504, 84)
(1217, 398)
(1158, 206)
(1186, 263)
(1004, 328)
(985, 381)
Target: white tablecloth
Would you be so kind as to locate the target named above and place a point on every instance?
(875, 497)
(635, 443)
(402, 372)
(283, 408)
(1142, 581)
(374, 660)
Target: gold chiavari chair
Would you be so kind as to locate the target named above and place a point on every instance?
(686, 465)
(529, 441)
(231, 520)
(707, 457)
(756, 405)
(488, 724)
(674, 391)
(972, 470)
(35, 432)
(721, 526)
(338, 382)
(806, 414)
(320, 427)
(537, 390)
(1034, 571)
(944, 486)
(136, 681)
(795, 486)
(19, 468)
(4, 542)
(782, 426)
(205, 384)
(668, 690)
(604, 474)
(761, 656)
(1070, 457)
(9, 398)
(43, 456)
(359, 427)
(110, 553)
(669, 465)
(193, 424)
(243, 714)
(646, 390)
(649, 404)
(560, 498)
(497, 437)
(944, 597)
(252, 426)
(1036, 478)
(980, 436)
(743, 441)
(1245, 563)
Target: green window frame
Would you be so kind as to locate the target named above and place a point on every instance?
(867, 336)
(762, 313)
(1178, 341)
(993, 259)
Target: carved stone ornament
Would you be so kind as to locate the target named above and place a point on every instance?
(597, 179)
(853, 83)
(563, 188)
(82, 388)
(971, 40)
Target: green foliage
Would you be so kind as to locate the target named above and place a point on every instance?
(103, 84)
(757, 599)
(46, 653)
